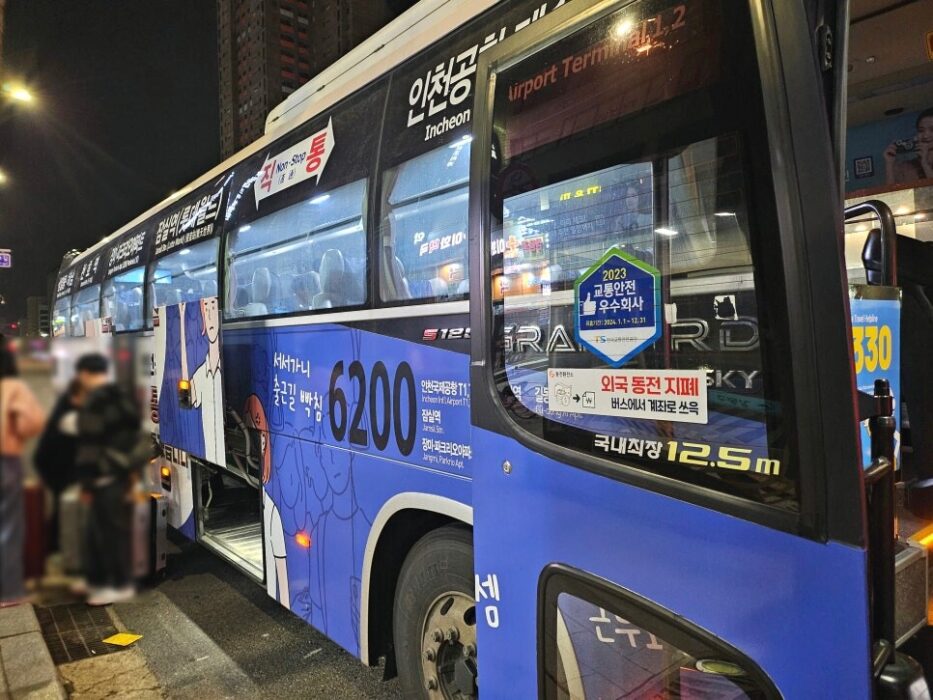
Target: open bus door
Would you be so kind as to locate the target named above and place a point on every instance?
(643, 527)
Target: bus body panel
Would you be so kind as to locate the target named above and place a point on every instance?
(321, 493)
(770, 594)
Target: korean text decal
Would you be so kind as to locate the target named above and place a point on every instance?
(128, 253)
(191, 223)
(618, 309)
(448, 84)
(304, 160)
(653, 394)
(65, 283)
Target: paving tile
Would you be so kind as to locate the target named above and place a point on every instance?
(17, 620)
(28, 667)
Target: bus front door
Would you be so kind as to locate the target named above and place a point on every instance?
(667, 481)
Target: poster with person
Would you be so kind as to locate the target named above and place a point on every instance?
(894, 152)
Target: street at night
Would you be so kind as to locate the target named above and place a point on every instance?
(438, 349)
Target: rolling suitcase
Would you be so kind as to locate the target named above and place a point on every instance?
(35, 548)
(72, 521)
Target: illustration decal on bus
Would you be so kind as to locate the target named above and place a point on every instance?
(190, 402)
(346, 429)
(276, 564)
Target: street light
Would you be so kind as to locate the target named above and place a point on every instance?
(3, 178)
(18, 93)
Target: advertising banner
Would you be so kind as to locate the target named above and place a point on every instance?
(876, 330)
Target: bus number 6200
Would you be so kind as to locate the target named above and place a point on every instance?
(385, 406)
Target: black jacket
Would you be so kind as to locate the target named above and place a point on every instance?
(108, 425)
(55, 453)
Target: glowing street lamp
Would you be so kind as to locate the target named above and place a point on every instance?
(18, 93)
(3, 178)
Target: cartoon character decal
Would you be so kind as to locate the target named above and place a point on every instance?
(207, 384)
(276, 556)
(188, 335)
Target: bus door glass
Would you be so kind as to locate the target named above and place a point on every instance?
(637, 345)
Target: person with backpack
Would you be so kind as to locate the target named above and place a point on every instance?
(108, 462)
(54, 458)
(21, 418)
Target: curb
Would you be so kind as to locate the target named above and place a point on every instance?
(27, 671)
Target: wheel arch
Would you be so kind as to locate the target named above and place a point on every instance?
(400, 523)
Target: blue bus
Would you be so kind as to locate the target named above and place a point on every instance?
(520, 353)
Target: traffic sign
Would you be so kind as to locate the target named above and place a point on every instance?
(6, 257)
(618, 307)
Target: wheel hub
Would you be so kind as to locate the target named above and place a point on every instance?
(448, 648)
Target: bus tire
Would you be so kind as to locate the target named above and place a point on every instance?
(434, 622)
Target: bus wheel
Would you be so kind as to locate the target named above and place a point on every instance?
(435, 618)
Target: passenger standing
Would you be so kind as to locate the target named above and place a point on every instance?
(21, 418)
(108, 436)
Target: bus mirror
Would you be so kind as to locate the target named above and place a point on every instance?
(872, 258)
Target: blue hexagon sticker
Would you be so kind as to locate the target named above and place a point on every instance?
(618, 307)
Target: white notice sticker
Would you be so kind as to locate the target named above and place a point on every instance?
(650, 394)
(306, 159)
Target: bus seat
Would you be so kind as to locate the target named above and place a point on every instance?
(395, 271)
(332, 283)
(209, 288)
(463, 287)
(260, 293)
(304, 288)
(170, 297)
(241, 298)
(439, 288)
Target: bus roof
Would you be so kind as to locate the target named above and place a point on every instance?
(404, 37)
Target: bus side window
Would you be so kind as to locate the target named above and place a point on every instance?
(189, 274)
(122, 300)
(423, 237)
(86, 308)
(306, 257)
(61, 317)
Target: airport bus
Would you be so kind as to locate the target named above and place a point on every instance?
(522, 354)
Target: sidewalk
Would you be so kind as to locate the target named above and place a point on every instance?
(26, 668)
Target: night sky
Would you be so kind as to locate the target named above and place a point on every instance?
(127, 112)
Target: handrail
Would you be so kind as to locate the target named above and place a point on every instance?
(879, 486)
(888, 235)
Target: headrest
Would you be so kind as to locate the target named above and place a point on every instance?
(332, 269)
(262, 285)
